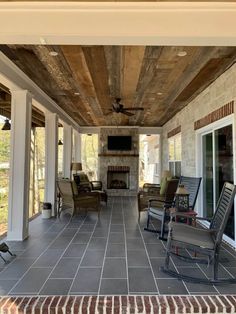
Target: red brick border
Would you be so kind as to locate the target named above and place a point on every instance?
(174, 131)
(216, 115)
(118, 304)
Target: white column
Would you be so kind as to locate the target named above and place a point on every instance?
(18, 210)
(77, 146)
(51, 159)
(67, 150)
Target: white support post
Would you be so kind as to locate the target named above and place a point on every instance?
(51, 159)
(77, 146)
(67, 150)
(18, 210)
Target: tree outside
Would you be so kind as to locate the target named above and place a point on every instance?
(4, 176)
(89, 155)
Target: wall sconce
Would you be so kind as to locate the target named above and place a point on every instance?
(6, 125)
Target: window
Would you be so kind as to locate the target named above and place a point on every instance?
(174, 147)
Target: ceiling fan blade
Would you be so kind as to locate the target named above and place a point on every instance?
(127, 113)
(134, 108)
(109, 112)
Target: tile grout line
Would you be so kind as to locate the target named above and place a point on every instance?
(37, 259)
(149, 261)
(82, 258)
(203, 273)
(63, 251)
(126, 251)
(177, 271)
(23, 251)
(104, 257)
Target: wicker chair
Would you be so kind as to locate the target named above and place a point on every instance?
(207, 242)
(149, 191)
(77, 201)
(83, 184)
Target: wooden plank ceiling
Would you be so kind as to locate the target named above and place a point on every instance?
(85, 80)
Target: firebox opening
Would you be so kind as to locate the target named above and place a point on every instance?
(118, 177)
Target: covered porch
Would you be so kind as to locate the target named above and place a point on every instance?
(188, 103)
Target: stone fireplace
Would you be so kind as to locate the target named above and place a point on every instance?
(118, 170)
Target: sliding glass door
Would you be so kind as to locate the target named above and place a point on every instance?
(217, 167)
(207, 175)
(224, 167)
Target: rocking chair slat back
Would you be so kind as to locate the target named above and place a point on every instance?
(192, 185)
(223, 210)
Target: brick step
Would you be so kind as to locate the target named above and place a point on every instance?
(118, 304)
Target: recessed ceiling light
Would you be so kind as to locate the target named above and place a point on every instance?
(88, 112)
(182, 53)
(159, 93)
(53, 53)
(76, 93)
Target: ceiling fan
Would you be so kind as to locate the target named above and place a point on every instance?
(119, 108)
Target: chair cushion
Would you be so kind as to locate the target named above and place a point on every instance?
(163, 185)
(192, 235)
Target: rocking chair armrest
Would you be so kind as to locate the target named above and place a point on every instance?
(161, 200)
(185, 215)
(204, 218)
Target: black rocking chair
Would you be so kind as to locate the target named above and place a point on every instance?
(207, 242)
(158, 207)
(161, 212)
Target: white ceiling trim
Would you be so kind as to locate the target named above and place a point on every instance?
(170, 23)
(13, 78)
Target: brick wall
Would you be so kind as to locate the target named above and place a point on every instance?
(212, 104)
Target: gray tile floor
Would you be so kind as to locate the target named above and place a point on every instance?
(112, 255)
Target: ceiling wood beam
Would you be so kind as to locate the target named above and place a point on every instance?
(96, 62)
(79, 69)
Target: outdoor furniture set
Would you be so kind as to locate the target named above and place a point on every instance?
(188, 240)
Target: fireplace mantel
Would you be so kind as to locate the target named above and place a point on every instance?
(117, 155)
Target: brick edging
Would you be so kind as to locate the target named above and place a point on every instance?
(174, 131)
(216, 115)
(118, 304)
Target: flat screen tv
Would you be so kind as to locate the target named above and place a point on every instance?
(119, 142)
